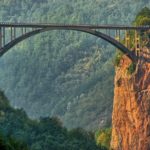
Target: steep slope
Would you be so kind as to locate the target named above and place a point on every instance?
(43, 134)
(131, 111)
(68, 74)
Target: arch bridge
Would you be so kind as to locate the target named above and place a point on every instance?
(13, 33)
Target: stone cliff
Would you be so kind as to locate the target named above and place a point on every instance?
(131, 109)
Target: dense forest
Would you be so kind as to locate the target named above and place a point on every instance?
(59, 73)
(18, 132)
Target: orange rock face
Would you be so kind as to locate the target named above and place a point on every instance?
(131, 109)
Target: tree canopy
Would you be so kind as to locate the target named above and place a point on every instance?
(143, 17)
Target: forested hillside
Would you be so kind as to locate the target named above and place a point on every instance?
(18, 132)
(64, 73)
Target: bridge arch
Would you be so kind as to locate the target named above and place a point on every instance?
(98, 34)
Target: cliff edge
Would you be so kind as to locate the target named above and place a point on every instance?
(131, 108)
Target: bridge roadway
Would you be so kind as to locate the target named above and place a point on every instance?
(87, 28)
(80, 26)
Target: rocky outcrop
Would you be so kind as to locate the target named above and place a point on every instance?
(131, 109)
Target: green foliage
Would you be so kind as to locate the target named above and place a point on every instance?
(143, 17)
(9, 143)
(131, 69)
(103, 137)
(118, 58)
(16, 144)
(43, 134)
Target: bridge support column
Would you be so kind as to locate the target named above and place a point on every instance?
(3, 35)
(127, 39)
(117, 35)
(21, 31)
(14, 35)
(11, 33)
(108, 32)
(137, 43)
(33, 29)
(0, 37)
(25, 30)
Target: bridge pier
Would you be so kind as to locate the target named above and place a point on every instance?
(14, 35)
(0, 37)
(11, 33)
(21, 31)
(25, 30)
(127, 39)
(117, 35)
(137, 43)
(3, 36)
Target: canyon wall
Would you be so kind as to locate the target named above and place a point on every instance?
(131, 109)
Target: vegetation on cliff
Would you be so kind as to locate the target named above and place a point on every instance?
(103, 137)
(143, 17)
(131, 69)
(118, 58)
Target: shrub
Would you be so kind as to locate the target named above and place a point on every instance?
(131, 69)
(103, 137)
(118, 58)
